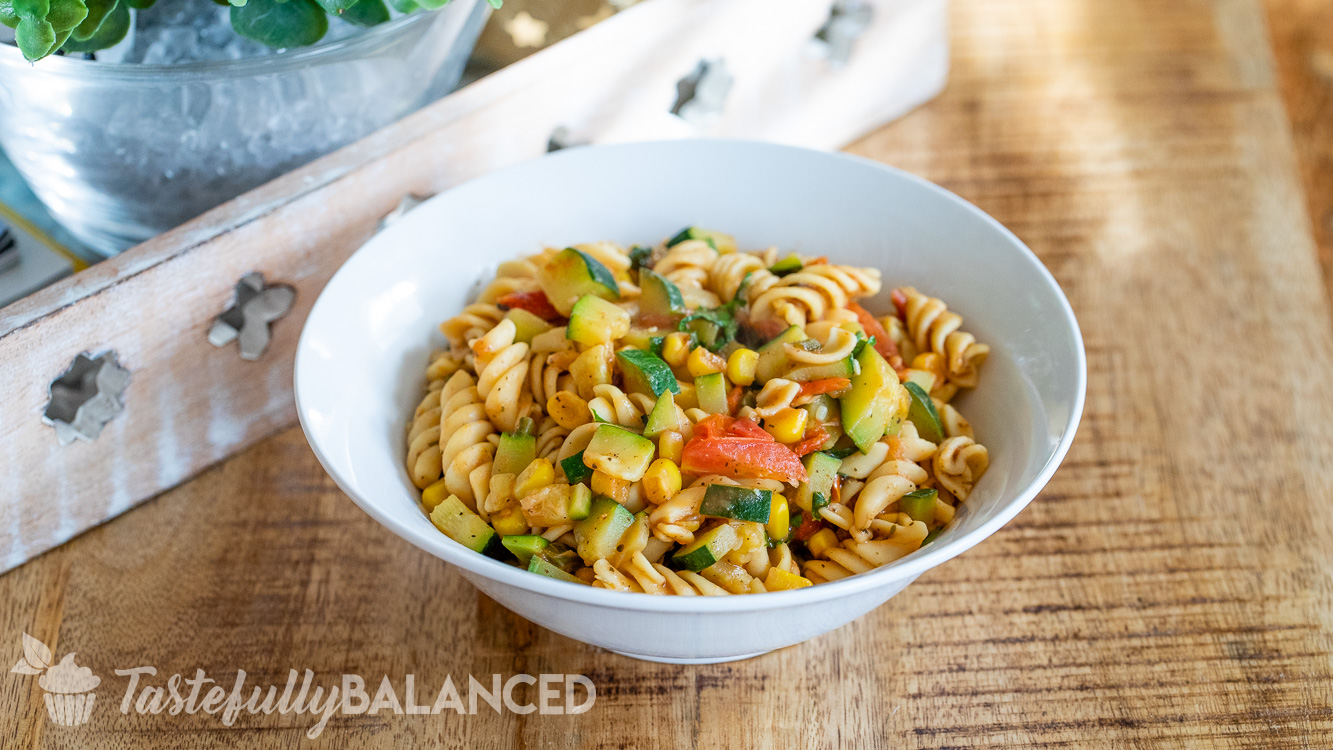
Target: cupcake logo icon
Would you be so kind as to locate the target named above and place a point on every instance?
(68, 687)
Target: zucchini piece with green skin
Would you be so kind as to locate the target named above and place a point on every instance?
(719, 241)
(919, 504)
(619, 452)
(711, 390)
(843, 368)
(647, 339)
(595, 321)
(526, 325)
(573, 274)
(514, 453)
(661, 298)
(922, 414)
(575, 470)
(772, 359)
(646, 373)
(707, 548)
(662, 417)
(542, 567)
(456, 521)
(562, 557)
(871, 403)
(524, 546)
(580, 502)
(599, 534)
(740, 503)
(821, 470)
(788, 265)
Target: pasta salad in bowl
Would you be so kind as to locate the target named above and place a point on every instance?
(690, 418)
(613, 436)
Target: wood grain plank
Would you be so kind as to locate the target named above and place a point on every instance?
(1172, 588)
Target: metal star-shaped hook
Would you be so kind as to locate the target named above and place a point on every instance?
(847, 20)
(86, 396)
(701, 94)
(248, 319)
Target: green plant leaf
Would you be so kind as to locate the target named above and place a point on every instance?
(294, 23)
(35, 39)
(432, 4)
(113, 29)
(66, 14)
(404, 6)
(33, 9)
(336, 7)
(141, 4)
(7, 15)
(367, 13)
(97, 12)
(496, 3)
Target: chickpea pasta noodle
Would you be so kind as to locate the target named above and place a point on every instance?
(725, 425)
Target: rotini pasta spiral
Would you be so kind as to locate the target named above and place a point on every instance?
(933, 328)
(463, 419)
(810, 293)
(854, 557)
(502, 367)
(959, 463)
(473, 322)
(688, 263)
(610, 404)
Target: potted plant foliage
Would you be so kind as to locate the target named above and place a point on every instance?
(127, 117)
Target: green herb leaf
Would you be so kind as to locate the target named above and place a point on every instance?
(367, 13)
(66, 14)
(141, 4)
(293, 23)
(109, 33)
(35, 39)
(33, 9)
(97, 12)
(7, 15)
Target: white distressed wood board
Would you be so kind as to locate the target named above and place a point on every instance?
(189, 404)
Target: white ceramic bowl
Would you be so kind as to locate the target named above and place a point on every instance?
(361, 357)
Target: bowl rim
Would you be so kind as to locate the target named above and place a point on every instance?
(907, 568)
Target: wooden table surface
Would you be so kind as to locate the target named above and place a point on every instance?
(1172, 163)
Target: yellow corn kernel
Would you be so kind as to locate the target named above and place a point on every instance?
(787, 425)
(820, 541)
(662, 480)
(741, 366)
(781, 580)
(509, 522)
(568, 410)
(676, 348)
(703, 362)
(434, 495)
(670, 445)
(613, 487)
(779, 518)
(539, 473)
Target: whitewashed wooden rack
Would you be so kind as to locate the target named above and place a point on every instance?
(189, 404)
